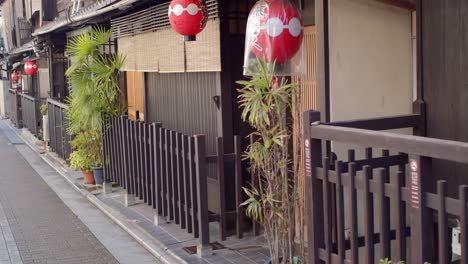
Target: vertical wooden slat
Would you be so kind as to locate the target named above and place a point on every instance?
(112, 150)
(167, 149)
(421, 218)
(125, 153)
(144, 160)
(353, 211)
(193, 187)
(383, 216)
(368, 215)
(464, 223)
(340, 213)
(400, 212)
(141, 145)
(314, 196)
(202, 195)
(174, 183)
(239, 185)
(180, 180)
(163, 171)
(186, 182)
(442, 223)
(222, 191)
(149, 164)
(137, 157)
(120, 153)
(327, 210)
(158, 175)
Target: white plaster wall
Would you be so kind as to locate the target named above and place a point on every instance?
(371, 68)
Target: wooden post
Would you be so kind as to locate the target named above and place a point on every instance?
(421, 228)
(239, 183)
(222, 191)
(314, 198)
(202, 196)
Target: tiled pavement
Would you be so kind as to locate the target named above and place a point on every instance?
(38, 227)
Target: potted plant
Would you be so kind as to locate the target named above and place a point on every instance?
(86, 154)
(265, 101)
(94, 92)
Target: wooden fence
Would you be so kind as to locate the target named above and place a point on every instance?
(167, 170)
(14, 108)
(383, 199)
(32, 119)
(58, 125)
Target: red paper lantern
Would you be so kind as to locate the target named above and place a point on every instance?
(15, 76)
(188, 17)
(275, 30)
(30, 67)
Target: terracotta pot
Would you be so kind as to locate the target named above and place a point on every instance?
(88, 177)
(44, 145)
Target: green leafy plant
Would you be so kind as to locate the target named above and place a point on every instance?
(265, 101)
(93, 79)
(86, 150)
(94, 94)
(44, 108)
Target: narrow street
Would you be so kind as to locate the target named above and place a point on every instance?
(42, 225)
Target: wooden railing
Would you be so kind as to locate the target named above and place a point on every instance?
(168, 171)
(382, 192)
(58, 125)
(32, 119)
(14, 108)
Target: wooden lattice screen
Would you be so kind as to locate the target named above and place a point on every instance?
(308, 100)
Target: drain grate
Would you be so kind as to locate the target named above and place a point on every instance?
(193, 249)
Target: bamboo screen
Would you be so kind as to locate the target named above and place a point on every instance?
(307, 94)
(164, 51)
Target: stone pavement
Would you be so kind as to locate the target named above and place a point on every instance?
(44, 220)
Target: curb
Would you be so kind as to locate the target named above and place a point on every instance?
(156, 248)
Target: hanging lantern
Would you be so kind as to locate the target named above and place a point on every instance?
(30, 67)
(15, 76)
(188, 17)
(274, 30)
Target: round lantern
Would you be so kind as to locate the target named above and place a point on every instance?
(30, 67)
(188, 17)
(15, 76)
(274, 30)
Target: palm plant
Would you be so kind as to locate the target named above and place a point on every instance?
(94, 90)
(94, 93)
(265, 101)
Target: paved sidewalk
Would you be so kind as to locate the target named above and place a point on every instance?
(42, 224)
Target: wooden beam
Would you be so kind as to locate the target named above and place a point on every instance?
(406, 4)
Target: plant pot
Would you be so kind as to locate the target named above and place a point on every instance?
(88, 177)
(44, 145)
(98, 175)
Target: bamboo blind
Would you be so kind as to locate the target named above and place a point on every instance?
(307, 99)
(164, 51)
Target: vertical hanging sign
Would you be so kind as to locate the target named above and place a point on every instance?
(415, 184)
(308, 162)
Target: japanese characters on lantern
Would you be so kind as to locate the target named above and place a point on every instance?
(30, 67)
(274, 33)
(188, 17)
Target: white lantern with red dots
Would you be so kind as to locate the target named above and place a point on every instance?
(274, 31)
(15, 76)
(30, 67)
(188, 17)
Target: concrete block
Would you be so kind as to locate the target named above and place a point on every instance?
(107, 187)
(204, 251)
(129, 200)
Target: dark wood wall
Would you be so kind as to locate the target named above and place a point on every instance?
(445, 78)
(184, 102)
